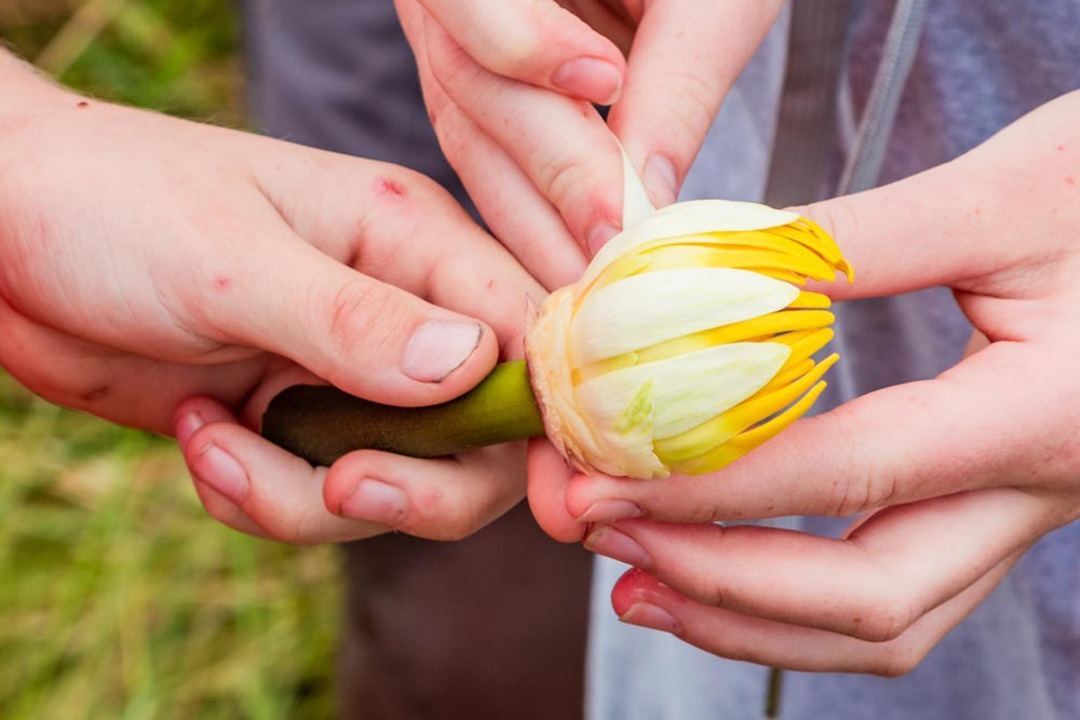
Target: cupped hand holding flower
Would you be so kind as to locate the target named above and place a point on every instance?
(950, 480)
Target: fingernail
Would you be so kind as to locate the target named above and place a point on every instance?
(376, 501)
(439, 347)
(660, 178)
(221, 472)
(598, 236)
(653, 617)
(610, 511)
(591, 79)
(609, 542)
(187, 426)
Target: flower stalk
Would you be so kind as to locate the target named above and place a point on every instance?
(322, 423)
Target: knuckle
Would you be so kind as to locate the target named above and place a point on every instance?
(859, 481)
(292, 528)
(517, 60)
(848, 496)
(698, 102)
(900, 659)
(446, 520)
(708, 590)
(882, 617)
(710, 510)
(359, 315)
(453, 68)
(565, 180)
(455, 132)
(707, 587)
(836, 216)
(518, 50)
(455, 532)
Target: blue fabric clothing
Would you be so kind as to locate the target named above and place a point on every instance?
(980, 66)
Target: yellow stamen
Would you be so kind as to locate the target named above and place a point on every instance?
(804, 343)
(703, 439)
(835, 257)
(762, 239)
(802, 239)
(802, 233)
(788, 374)
(774, 323)
(674, 257)
(747, 441)
(813, 300)
(785, 275)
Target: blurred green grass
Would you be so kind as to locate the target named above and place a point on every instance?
(119, 596)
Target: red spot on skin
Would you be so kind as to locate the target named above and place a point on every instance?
(222, 283)
(393, 188)
(1070, 180)
(98, 393)
(1061, 148)
(83, 105)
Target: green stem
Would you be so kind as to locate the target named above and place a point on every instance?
(772, 694)
(321, 423)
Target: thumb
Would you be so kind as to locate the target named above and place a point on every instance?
(367, 337)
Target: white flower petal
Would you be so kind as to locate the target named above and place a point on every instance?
(681, 392)
(688, 218)
(636, 203)
(643, 310)
(590, 448)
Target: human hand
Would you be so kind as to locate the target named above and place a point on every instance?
(950, 479)
(145, 260)
(509, 85)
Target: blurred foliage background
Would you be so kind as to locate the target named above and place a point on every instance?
(119, 596)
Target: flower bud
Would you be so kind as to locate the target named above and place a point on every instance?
(688, 341)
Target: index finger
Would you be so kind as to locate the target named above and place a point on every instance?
(685, 57)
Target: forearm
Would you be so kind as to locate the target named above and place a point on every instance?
(24, 86)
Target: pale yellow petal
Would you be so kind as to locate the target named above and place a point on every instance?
(681, 392)
(636, 203)
(647, 309)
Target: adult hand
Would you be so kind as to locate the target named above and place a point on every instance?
(951, 479)
(508, 86)
(145, 260)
